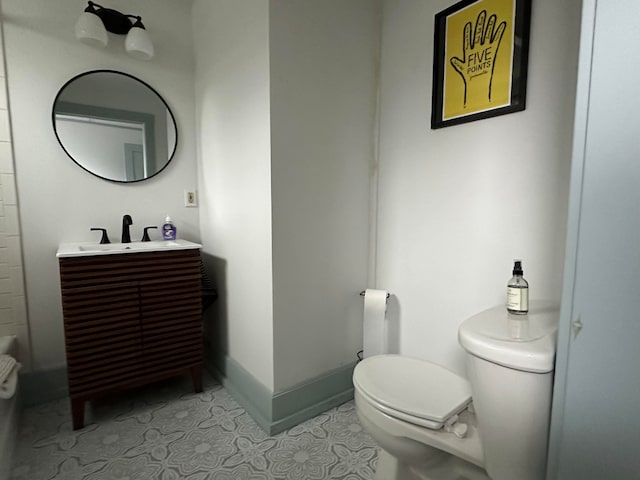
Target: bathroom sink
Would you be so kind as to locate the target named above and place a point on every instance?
(88, 249)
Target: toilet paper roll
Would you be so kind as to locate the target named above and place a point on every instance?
(374, 328)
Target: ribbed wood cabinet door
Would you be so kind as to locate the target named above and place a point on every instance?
(171, 322)
(102, 335)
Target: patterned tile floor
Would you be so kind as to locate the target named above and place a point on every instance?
(162, 433)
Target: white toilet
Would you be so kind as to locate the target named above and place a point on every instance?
(432, 424)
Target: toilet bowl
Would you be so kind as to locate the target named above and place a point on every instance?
(432, 424)
(419, 415)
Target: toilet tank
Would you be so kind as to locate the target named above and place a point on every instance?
(510, 362)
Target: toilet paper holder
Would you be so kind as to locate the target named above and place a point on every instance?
(363, 292)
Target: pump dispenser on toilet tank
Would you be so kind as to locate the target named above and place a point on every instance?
(517, 291)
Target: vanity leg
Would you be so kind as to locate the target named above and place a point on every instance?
(77, 413)
(196, 377)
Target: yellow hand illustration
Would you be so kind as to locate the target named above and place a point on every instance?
(479, 55)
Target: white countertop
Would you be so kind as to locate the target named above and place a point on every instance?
(91, 249)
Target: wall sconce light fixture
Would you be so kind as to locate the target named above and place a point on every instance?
(95, 21)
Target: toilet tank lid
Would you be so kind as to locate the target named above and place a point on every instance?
(521, 342)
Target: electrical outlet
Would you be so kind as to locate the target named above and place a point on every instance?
(190, 198)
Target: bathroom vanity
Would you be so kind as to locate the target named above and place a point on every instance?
(132, 315)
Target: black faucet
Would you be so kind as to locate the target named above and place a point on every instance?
(105, 237)
(126, 221)
(145, 235)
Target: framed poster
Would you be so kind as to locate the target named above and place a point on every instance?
(480, 56)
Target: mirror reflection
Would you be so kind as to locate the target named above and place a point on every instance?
(114, 125)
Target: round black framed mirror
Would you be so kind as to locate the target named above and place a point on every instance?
(114, 126)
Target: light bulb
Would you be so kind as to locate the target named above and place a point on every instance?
(138, 44)
(90, 30)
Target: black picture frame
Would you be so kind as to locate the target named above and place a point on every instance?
(454, 67)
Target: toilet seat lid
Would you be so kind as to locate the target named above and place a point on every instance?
(413, 387)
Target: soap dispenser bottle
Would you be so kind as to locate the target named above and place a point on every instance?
(517, 291)
(168, 229)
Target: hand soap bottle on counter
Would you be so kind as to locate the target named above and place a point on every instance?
(168, 229)
(517, 291)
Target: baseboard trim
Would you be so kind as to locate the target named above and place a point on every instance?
(279, 425)
(43, 386)
(275, 413)
(308, 399)
(252, 395)
(272, 412)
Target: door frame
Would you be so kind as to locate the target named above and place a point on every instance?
(573, 226)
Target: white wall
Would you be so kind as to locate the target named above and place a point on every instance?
(286, 118)
(13, 305)
(232, 87)
(458, 204)
(59, 202)
(323, 95)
